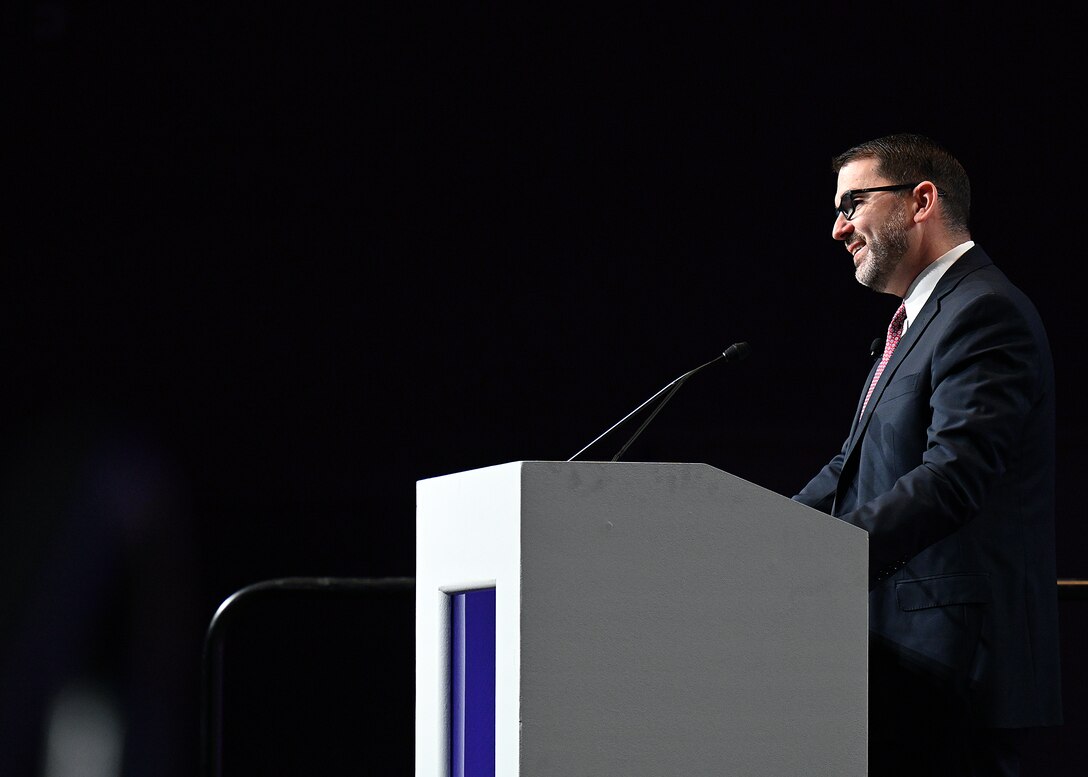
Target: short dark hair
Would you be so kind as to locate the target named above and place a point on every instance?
(906, 158)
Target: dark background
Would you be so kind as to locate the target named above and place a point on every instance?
(266, 266)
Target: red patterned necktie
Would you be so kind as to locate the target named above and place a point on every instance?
(895, 331)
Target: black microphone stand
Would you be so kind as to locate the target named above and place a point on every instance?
(735, 352)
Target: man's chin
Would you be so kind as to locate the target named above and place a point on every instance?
(871, 277)
(876, 284)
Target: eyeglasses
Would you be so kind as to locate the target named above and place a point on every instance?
(847, 203)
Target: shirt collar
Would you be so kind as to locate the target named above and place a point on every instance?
(923, 285)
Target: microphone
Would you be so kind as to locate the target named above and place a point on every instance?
(876, 347)
(734, 353)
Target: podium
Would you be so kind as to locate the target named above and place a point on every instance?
(648, 619)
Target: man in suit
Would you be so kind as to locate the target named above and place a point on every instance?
(949, 466)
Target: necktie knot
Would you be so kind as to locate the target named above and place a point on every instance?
(895, 328)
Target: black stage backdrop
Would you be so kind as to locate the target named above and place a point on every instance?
(266, 266)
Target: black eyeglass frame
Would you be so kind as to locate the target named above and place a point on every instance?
(848, 196)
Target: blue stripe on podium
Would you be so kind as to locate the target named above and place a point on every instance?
(472, 683)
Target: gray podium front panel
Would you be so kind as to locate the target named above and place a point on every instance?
(650, 619)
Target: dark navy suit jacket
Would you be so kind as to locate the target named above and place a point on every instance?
(951, 471)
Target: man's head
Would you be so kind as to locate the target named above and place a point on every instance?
(903, 200)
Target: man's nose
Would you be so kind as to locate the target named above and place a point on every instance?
(841, 228)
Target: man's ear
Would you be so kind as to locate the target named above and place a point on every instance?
(925, 200)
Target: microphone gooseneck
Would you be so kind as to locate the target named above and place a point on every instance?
(734, 353)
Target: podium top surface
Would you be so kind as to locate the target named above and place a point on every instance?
(587, 477)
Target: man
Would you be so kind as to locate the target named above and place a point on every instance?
(949, 465)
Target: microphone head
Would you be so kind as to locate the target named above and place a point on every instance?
(877, 347)
(736, 352)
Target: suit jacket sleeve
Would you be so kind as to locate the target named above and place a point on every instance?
(820, 491)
